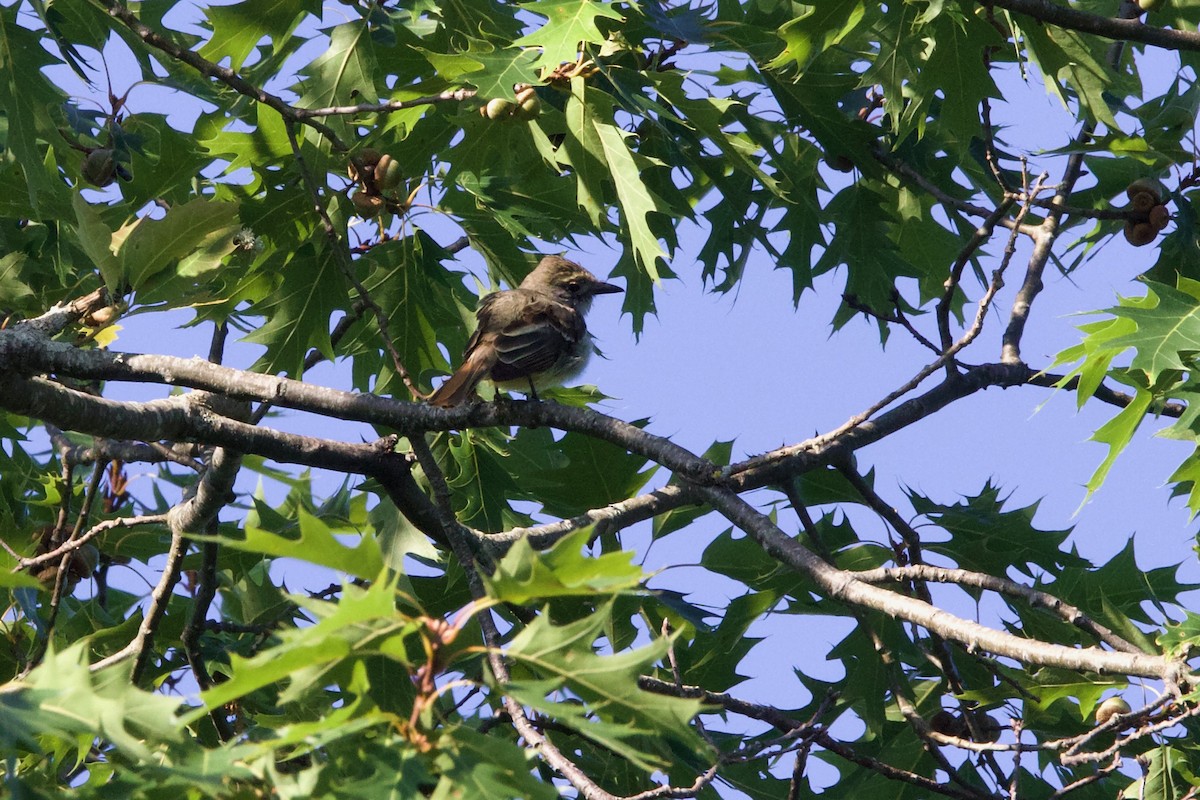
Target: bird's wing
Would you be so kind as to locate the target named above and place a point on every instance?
(542, 334)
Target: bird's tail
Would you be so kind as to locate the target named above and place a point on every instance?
(459, 386)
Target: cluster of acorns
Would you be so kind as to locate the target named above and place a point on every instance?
(527, 106)
(379, 177)
(1145, 201)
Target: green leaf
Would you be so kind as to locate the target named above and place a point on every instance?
(264, 145)
(1168, 328)
(238, 28)
(985, 537)
(95, 237)
(583, 152)
(62, 697)
(422, 299)
(569, 25)
(481, 480)
(1117, 433)
(363, 623)
(1067, 59)
(475, 766)
(1121, 590)
(194, 236)
(615, 713)
(816, 29)
(705, 115)
(25, 96)
(12, 288)
(1187, 474)
(1095, 354)
(575, 473)
(862, 243)
(957, 70)
(1181, 638)
(596, 125)
(1169, 775)
(345, 73)
(398, 538)
(492, 71)
(316, 544)
(298, 311)
(564, 570)
(713, 657)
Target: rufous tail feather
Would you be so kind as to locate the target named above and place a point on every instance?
(461, 385)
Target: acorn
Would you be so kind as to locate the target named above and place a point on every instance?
(80, 565)
(387, 173)
(369, 157)
(1139, 234)
(367, 205)
(1143, 201)
(529, 107)
(1111, 708)
(498, 108)
(1159, 216)
(1144, 194)
(99, 168)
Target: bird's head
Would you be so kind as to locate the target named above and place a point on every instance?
(566, 278)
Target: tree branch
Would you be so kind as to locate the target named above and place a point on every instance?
(1037, 599)
(844, 586)
(215, 71)
(1128, 30)
(1010, 350)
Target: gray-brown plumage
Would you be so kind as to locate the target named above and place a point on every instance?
(530, 336)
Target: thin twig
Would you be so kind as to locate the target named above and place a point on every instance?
(981, 235)
(215, 71)
(386, 107)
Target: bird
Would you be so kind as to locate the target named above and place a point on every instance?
(530, 336)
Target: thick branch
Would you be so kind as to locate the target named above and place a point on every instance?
(30, 354)
(179, 419)
(844, 586)
(1128, 30)
(1037, 599)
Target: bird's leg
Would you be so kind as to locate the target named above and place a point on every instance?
(532, 391)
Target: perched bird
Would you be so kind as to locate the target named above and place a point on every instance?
(530, 336)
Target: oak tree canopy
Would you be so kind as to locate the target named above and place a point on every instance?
(338, 183)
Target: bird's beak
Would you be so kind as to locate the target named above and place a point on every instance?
(600, 287)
